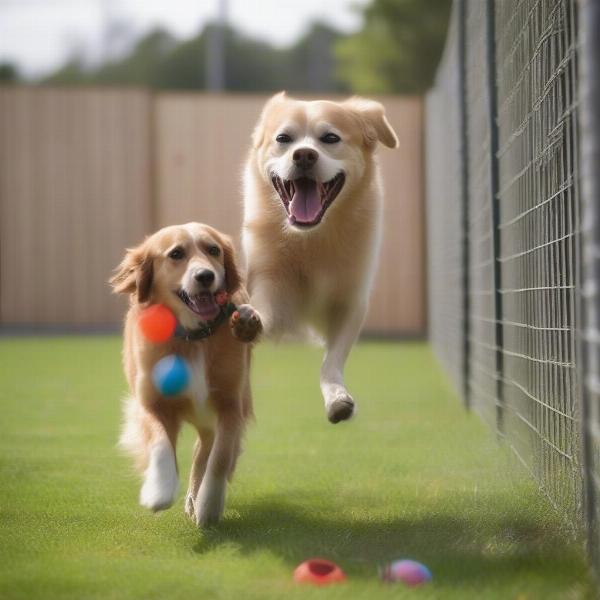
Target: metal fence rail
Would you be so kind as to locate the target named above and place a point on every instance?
(530, 373)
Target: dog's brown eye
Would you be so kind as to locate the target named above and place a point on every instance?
(330, 138)
(214, 250)
(283, 138)
(177, 253)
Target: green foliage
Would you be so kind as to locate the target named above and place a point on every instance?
(311, 62)
(160, 61)
(143, 66)
(398, 48)
(72, 71)
(8, 73)
(412, 475)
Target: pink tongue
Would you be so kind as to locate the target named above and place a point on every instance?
(205, 306)
(306, 203)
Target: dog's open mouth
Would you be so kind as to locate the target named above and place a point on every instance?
(305, 199)
(203, 304)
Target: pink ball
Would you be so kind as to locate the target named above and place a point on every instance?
(409, 572)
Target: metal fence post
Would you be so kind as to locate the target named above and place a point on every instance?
(464, 173)
(589, 85)
(494, 199)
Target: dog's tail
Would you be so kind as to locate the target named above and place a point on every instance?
(134, 434)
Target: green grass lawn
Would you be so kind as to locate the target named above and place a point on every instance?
(412, 475)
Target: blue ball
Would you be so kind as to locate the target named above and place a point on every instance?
(171, 375)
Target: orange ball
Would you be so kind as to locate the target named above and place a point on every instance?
(319, 571)
(157, 323)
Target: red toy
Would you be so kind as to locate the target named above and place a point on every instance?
(157, 323)
(318, 571)
(222, 298)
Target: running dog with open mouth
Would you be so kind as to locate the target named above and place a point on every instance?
(190, 269)
(312, 224)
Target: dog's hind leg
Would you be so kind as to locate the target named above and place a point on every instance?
(344, 328)
(202, 450)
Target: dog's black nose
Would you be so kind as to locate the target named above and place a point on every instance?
(305, 158)
(205, 277)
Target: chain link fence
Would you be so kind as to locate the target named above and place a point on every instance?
(510, 119)
(444, 168)
(538, 227)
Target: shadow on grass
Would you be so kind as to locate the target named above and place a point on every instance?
(460, 551)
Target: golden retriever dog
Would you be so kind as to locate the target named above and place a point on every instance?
(312, 224)
(184, 267)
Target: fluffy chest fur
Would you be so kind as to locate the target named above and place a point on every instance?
(194, 403)
(337, 258)
(201, 413)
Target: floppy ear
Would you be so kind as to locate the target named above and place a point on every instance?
(259, 130)
(233, 279)
(134, 274)
(375, 125)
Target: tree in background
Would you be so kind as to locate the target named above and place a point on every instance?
(398, 48)
(313, 57)
(8, 73)
(160, 61)
(139, 67)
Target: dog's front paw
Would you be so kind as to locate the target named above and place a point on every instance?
(341, 409)
(158, 495)
(210, 501)
(245, 323)
(160, 479)
(208, 518)
(208, 512)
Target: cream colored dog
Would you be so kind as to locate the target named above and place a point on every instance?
(312, 224)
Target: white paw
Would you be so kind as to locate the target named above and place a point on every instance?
(160, 480)
(210, 502)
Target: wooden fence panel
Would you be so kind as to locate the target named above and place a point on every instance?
(398, 300)
(202, 143)
(74, 191)
(86, 172)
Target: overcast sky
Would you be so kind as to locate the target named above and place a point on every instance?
(39, 34)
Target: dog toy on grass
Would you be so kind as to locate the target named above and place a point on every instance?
(409, 572)
(318, 571)
(157, 323)
(171, 375)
